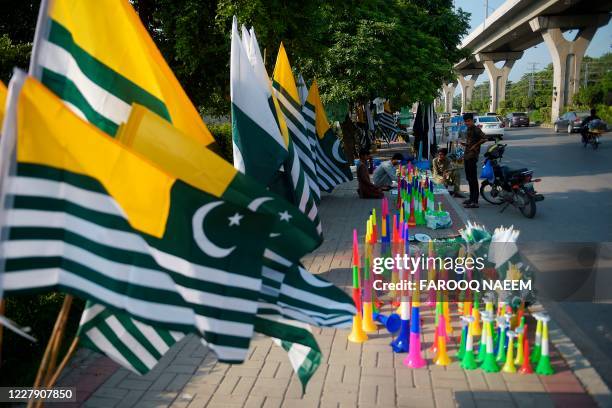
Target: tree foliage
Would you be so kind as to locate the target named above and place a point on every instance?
(357, 50)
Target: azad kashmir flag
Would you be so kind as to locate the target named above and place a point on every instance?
(332, 167)
(3, 93)
(286, 93)
(253, 107)
(91, 217)
(291, 297)
(99, 59)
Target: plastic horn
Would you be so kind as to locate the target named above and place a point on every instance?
(519, 342)
(535, 356)
(392, 322)
(357, 334)
(469, 362)
(401, 342)
(544, 367)
(368, 324)
(526, 366)
(442, 358)
(489, 365)
(503, 325)
(464, 330)
(509, 366)
(415, 358)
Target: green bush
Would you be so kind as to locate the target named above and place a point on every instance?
(20, 357)
(223, 140)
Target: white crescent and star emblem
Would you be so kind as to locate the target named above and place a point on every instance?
(336, 150)
(205, 244)
(285, 216)
(235, 219)
(254, 205)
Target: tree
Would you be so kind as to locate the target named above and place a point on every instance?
(399, 49)
(17, 23)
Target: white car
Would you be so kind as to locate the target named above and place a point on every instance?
(491, 126)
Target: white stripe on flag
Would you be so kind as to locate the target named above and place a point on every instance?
(102, 343)
(90, 313)
(60, 61)
(151, 334)
(37, 187)
(154, 311)
(130, 342)
(125, 241)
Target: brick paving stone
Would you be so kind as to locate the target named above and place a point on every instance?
(130, 399)
(532, 400)
(444, 398)
(108, 392)
(135, 385)
(101, 402)
(464, 399)
(476, 380)
(364, 375)
(495, 381)
(179, 382)
(270, 387)
(163, 380)
(418, 398)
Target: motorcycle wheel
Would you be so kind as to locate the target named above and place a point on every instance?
(491, 193)
(529, 208)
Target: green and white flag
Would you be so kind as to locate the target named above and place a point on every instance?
(332, 166)
(285, 90)
(263, 149)
(92, 218)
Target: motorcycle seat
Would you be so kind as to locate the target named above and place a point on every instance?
(508, 172)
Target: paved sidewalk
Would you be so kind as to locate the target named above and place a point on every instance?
(367, 375)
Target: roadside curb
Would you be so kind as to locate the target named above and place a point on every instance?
(579, 364)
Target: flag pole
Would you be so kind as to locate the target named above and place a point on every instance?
(42, 31)
(60, 322)
(64, 362)
(58, 341)
(2, 303)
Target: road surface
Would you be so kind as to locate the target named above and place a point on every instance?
(570, 239)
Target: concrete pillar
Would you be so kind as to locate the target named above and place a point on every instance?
(497, 81)
(467, 88)
(566, 58)
(567, 55)
(449, 93)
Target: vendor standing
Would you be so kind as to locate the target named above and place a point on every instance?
(473, 139)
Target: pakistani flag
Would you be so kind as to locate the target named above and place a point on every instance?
(98, 57)
(259, 147)
(290, 180)
(92, 218)
(332, 166)
(286, 92)
(2, 100)
(289, 294)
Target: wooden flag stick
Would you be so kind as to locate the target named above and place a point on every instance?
(44, 363)
(64, 362)
(57, 344)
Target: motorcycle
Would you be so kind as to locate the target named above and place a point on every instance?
(591, 132)
(509, 186)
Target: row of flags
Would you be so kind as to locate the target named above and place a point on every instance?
(283, 156)
(113, 196)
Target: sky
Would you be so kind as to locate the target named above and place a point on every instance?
(601, 43)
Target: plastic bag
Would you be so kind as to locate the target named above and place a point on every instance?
(487, 171)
